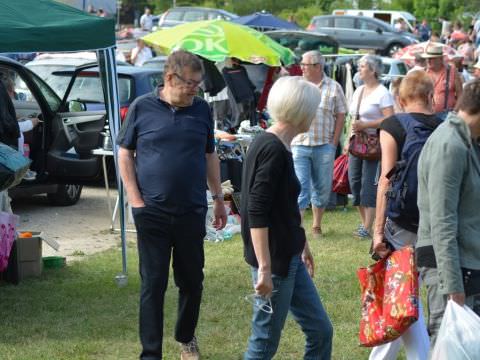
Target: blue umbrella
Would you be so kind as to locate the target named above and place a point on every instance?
(265, 21)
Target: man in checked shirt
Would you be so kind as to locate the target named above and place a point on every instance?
(314, 151)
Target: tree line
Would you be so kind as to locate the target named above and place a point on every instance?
(304, 10)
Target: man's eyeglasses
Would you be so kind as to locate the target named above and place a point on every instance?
(305, 65)
(189, 83)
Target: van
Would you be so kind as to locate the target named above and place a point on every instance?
(385, 15)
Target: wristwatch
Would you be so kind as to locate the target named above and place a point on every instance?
(217, 197)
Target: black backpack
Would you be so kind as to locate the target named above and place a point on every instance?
(402, 193)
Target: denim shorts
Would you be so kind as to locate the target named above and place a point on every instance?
(314, 170)
(362, 176)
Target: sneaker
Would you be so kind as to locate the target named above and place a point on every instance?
(30, 175)
(190, 350)
(363, 234)
(358, 229)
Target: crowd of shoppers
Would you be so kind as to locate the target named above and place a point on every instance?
(289, 168)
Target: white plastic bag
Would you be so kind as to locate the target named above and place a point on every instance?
(459, 334)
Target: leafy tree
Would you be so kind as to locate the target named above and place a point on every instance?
(365, 4)
(402, 5)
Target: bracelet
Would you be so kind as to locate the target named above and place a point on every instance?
(217, 197)
(264, 271)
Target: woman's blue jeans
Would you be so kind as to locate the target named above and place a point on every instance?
(296, 293)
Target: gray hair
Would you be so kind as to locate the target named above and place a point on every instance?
(316, 57)
(293, 100)
(374, 63)
(180, 59)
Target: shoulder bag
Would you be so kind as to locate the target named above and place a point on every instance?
(362, 144)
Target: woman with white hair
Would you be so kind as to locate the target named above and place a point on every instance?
(275, 245)
(374, 103)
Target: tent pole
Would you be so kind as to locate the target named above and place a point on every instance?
(107, 66)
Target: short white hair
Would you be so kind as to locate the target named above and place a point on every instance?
(316, 57)
(293, 100)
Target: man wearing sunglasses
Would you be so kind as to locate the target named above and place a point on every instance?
(166, 157)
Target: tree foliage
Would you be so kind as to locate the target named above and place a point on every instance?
(303, 10)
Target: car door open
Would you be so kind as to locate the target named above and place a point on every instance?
(76, 131)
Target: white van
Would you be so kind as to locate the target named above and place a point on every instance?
(388, 16)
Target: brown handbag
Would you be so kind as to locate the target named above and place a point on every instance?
(362, 144)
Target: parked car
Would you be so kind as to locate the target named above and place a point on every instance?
(61, 145)
(302, 41)
(133, 81)
(45, 65)
(389, 16)
(184, 14)
(299, 42)
(157, 62)
(360, 32)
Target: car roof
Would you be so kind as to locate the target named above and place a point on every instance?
(124, 70)
(60, 61)
(9, 60)
(326, 37)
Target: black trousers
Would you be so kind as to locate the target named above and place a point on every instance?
(160, 237)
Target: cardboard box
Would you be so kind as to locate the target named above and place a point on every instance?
(29, 254)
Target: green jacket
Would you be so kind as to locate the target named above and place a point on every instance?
(449, 202)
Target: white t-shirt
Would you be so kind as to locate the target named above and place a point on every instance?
(146, 22)
(371, 105)
(143, 55)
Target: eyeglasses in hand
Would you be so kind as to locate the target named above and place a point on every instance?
(260, 302)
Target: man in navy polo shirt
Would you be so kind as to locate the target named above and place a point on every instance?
(166, 158)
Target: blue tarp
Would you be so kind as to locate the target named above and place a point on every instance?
(265, 21)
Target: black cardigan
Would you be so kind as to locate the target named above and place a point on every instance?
(270, 191)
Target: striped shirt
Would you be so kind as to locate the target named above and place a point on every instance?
(332, 102)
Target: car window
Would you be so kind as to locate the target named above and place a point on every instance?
(194, 15)
(212, 15)
(303, 43)
(46, 73)
(155, 80)
(322, 22)
(402, 68)
(363, 24)
(174, 15)
(344, 22)
(89, 88)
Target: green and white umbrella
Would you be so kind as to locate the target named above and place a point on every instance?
(217, 40)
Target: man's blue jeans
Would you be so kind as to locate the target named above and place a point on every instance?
(296, 293)
(314, 170)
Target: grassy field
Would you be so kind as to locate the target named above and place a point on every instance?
(79, 313)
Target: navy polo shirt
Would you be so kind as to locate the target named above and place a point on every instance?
(170, 145)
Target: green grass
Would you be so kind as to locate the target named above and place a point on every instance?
(78, 312)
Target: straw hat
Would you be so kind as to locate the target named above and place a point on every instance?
(433, 52)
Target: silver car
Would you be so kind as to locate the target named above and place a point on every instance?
(183, 14)
(360, 32)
